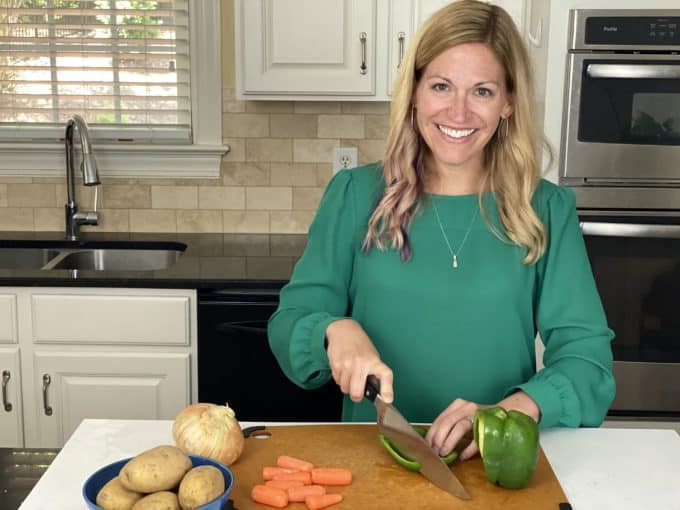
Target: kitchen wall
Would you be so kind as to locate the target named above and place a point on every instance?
(271, 180)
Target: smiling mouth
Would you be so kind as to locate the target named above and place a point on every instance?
(455, 133)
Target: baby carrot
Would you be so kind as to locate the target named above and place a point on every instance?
(331, 476)
(268, 472)
(298, 494)
(269, 496)
(286, 461)
(284, 484)
(322, 501)
(303, 476)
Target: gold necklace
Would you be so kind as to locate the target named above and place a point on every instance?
(454, 254)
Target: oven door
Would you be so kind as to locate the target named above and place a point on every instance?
(622, 119)
(637, 270)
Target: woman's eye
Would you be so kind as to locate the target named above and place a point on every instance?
(440, 87)
(484, 92)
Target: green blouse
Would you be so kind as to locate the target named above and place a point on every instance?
(451, 333)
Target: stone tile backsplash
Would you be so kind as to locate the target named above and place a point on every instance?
(271, 181)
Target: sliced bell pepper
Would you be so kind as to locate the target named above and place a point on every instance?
(403, 459)
(508, 445)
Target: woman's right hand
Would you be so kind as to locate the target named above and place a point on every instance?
(353, 357)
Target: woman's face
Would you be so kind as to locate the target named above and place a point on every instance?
(459, 102)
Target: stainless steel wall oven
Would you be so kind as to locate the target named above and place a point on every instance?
(637, 270)
(620, 153)
(621, 131)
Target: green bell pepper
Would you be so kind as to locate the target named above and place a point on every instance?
(508, 444)
(403, 459)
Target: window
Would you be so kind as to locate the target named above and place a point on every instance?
(144, 74)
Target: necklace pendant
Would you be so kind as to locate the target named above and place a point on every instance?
(455, 262)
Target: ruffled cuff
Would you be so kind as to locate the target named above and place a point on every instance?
(308, 356)
(555, 396)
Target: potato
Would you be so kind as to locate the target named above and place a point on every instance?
(164, 500)
(158, 469)
(200, 485)
(113, 496)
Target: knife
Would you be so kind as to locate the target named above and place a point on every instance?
(400, 432)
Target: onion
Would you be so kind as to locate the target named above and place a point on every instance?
(209, 430)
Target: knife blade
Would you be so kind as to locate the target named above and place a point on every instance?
(399, 430)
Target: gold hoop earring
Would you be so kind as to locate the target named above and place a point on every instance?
(413, 123)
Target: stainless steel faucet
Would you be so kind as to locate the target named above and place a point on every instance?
(75, 218)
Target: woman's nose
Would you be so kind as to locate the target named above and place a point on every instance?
(458, 108)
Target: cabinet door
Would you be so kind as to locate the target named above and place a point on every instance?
(516, 9)
(405, 18)
(11, 427)
(71, 386)
(317, 47)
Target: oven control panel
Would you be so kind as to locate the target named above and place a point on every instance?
(627, 31)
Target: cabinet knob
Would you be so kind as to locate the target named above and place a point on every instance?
(6, 376)
(46, 383)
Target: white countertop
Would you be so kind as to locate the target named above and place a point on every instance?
(599, 469)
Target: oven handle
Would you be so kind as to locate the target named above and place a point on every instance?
(596, 228)
(633, 71)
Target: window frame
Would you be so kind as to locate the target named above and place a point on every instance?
(201, 159)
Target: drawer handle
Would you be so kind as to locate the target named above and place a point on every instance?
(46, 382)
(362, 38)
(6, 376)
(402, 39)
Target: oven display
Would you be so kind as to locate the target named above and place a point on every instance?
(632, 31)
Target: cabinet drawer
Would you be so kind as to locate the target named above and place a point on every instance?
(8, 319)
(118, 319)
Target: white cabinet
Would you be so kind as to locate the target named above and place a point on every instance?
(306, 46)
(77, 385)
(95, 353)
(11, 420)
(404, 20)
(328, 50)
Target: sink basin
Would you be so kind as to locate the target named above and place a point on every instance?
(89, 255)
(25, 258)
(115, 259)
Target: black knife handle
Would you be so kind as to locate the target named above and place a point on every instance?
(372, 388)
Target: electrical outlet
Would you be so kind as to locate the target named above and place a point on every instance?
(344, 157)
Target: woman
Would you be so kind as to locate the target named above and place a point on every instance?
(435, 269)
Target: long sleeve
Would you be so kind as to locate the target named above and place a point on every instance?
(318, 291)
(576, 387)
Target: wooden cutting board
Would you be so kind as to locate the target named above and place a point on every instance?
(379, 482)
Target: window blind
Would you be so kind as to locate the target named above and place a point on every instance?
(122, 65)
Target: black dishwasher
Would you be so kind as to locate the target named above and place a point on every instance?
(237, 367)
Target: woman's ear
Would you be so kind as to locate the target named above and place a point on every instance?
(509, 107)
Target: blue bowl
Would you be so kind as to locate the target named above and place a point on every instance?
(100, 478)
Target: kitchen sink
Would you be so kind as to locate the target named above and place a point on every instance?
(89, 255)
(25, 258)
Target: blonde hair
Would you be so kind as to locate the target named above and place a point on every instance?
(511, 156)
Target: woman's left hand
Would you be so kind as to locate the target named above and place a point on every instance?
(457, 420)
(451, 426)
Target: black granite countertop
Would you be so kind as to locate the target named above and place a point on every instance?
(209, 261)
